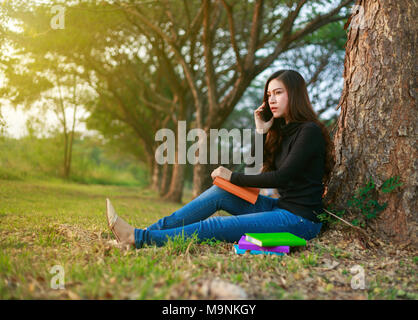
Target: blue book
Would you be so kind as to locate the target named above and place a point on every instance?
(242, 251)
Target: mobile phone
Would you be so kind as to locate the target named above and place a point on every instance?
(266, 114)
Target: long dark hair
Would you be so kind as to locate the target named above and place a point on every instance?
(300, 110)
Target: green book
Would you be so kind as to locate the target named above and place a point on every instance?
(274, 239)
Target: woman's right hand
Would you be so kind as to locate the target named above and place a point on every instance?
(261, 125)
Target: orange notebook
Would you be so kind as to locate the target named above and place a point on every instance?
(247, 193)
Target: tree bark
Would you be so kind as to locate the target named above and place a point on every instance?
(377, 133)
(155, 178)
(201, 178)
(175, 192)
(216, 98)
(165, 179)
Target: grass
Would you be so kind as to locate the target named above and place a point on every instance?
(47, 224)
(31, 158)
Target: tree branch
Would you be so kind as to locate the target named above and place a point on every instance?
(288, 38)
(187, 71)
(209, 72)
(228, 9)
(320, 21)
(254, 34)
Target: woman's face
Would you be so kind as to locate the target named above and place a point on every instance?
(278, 99)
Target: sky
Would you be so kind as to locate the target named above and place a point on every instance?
(15, 119)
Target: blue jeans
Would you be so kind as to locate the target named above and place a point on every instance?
(263, 216)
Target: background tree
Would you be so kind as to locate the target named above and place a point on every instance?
(193, 60)
(51, 84)
(376, 135)
(236, 43)
(120, 79)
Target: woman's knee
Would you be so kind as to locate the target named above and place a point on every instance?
(214, 189)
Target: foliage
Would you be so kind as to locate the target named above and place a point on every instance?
(364, 202)
(328, 219)
(93, 163)
(135, 70)
(390, 184)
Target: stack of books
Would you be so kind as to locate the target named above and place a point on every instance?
(259, 243)
(268, 243)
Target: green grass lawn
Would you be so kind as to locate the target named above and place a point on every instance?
(43, 224)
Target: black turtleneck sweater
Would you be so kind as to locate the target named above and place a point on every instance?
(299, 169)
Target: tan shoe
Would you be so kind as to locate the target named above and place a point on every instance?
(111, 218)
(123, 231)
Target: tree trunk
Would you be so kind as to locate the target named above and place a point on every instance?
(165, 179)
(177, 183)
(376, 135)
(66, 171)
(201, 177)
(155, 178)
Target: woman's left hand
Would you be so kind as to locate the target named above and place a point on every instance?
(221, 172)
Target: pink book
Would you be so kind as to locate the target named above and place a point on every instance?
(244, 244)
